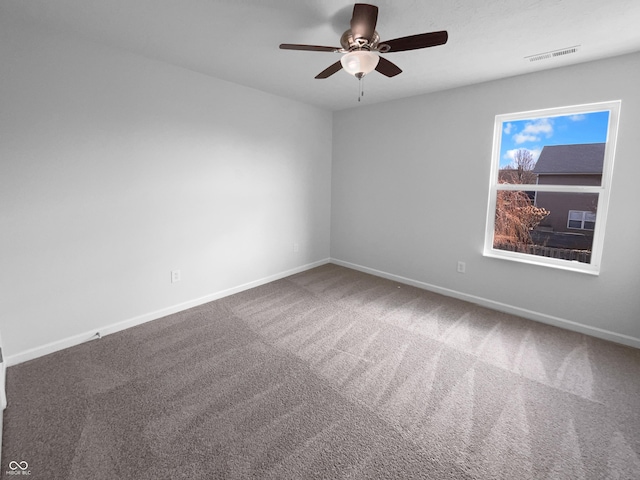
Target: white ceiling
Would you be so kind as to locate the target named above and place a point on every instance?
(237, 40)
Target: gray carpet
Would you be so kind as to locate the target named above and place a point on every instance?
(332, 374)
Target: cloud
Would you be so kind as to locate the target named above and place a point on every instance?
(532, 131)
(522, 138)
(577, 118)
(508, 128)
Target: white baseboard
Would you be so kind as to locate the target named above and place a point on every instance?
(501, 307)
(132, 322)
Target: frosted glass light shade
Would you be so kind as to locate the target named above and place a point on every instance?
(359, 62)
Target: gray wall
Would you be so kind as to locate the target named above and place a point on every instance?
(409, 197)
(115, 170)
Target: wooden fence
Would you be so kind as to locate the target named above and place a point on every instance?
(583, 256)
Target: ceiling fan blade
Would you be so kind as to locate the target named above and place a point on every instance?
(327, 72)
(312, 48)
(363, 22)
(414, 42)
(387, 68)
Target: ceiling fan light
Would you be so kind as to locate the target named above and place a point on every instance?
(359, 62)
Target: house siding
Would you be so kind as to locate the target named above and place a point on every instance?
(559, 204)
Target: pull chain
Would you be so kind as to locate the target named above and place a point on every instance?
(360, 87)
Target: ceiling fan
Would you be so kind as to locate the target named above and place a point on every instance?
(361, 46)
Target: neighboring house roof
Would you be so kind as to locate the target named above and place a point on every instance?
(583, 159)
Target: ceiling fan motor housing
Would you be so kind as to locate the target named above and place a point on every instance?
(350, 43)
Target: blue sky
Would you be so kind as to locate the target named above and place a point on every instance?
(533, 134)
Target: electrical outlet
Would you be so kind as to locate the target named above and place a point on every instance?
(175, 276)
(462, 267)
(296, 248)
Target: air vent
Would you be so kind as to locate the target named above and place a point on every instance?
(555, 53)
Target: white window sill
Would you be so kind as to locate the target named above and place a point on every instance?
(569, 265)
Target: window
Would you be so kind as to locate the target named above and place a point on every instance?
(549, 187)
(581, 220)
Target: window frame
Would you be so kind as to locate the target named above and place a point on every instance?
(603, 190)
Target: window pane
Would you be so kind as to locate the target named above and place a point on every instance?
(552, 225)
(554, 150)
